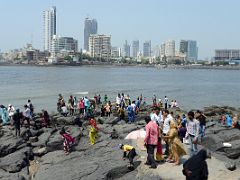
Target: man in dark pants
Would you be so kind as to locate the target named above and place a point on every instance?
(151, 141)
(130, 155)
(17, 121)
(167, 119)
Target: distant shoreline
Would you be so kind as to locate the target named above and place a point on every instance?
(100, 64)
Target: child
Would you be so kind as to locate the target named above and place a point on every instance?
(128, 152)
(68, 141)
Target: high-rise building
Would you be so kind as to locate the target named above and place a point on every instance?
(135, 48)
(50, 27)
(183, 48)
(90, 27)
(170, 48)
(100, 46)
(64, 44)
(147, 49)
(190, 49)
(126, 49)
(116, 52)
(192, 54)
(162, 50)
(227, 54)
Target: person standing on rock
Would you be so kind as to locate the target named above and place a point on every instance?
(11, 111)
(93, 131)
(157, 117)
(17, 117)
(105, 99)
(151, 141)
(177, 149)
(192, 133)
(167, 119)
(202, 120)
(118, 100)
(30, 106)
(71, 105)
(27, 115)
(166, 102)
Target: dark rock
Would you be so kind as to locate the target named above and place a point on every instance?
(33, 139)
(230, 166)
(14, 162)
(10, 144)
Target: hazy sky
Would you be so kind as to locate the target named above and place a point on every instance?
(213, 23)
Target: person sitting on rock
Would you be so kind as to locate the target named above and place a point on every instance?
(45, 119)
(196, 168)
(114, 134)
(64, 110)
(128, 152)
(68, 141)
(228, 120)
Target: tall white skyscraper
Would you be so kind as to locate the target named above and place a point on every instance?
(50, 27)
(170, 48)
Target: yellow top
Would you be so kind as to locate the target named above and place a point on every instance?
(127, 148)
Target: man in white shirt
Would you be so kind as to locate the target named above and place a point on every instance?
(167, 119)
(192, 133)
(156, 116)
(118, 100)
(27, 114)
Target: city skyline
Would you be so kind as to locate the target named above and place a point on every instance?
(164, 20)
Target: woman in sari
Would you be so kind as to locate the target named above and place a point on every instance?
(176, 147)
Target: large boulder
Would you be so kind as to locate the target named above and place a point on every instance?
(10, 144)
(14, 162)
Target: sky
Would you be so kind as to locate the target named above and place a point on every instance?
(214, 24)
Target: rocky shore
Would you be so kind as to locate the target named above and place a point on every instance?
(104, 160)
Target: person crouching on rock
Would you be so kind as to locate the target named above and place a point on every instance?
(68, 141)
(128, 152)
(93, 130)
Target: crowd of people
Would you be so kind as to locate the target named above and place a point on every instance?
(17, 118)
(163, 128)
